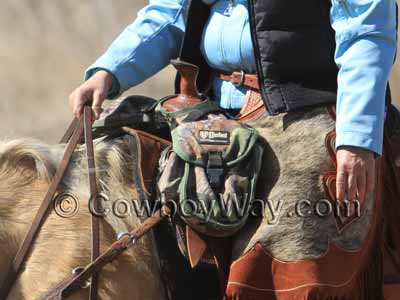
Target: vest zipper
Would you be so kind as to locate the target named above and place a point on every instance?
(346, 7)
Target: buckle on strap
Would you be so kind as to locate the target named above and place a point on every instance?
(215, 169)
(242, 77)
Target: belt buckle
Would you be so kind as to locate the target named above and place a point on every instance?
(243, 74)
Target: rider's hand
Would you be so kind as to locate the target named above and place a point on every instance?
(355, 174)
(93, 91)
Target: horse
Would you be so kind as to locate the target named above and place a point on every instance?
(63, 243)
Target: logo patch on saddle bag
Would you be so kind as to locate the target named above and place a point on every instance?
(210, 137)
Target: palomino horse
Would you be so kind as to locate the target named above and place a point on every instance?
(26, 167)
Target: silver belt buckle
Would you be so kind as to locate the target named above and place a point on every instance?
(243, 74)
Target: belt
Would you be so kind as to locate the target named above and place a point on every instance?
(239, 78)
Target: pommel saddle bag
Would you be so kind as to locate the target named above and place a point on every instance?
(211, 170)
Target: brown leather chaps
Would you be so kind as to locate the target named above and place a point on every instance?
(307, 246)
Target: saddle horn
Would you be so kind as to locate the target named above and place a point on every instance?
(189, 94)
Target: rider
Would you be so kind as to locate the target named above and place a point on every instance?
(292, 48)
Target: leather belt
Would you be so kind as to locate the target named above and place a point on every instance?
(239, 78)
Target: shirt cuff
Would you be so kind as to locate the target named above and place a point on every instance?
(360, 140)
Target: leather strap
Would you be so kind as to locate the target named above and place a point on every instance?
(73, 134)
(239, 78)
(43, 211)
(196, 246)
(74, 283)
(67, 135)
(95, 220)
(151, 147)
(332, 111)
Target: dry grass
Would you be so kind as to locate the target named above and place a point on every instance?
(46, 45)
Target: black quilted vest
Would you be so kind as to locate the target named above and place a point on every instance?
(294, 47)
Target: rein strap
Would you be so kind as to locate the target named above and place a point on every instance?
(72, 136)
(67, 287)
(43, 211)
(64, 289)
(95, 220)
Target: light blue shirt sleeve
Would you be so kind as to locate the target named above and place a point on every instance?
(145, 46)
(365, 50)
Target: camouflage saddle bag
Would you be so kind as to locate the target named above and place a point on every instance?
(210, 171)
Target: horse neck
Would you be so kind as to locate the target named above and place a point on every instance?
(17, 209)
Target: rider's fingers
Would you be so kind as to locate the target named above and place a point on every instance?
(370, 177)
(352, 186)
(341, 185)
(362, 186)
(98, 99)
(77, 102)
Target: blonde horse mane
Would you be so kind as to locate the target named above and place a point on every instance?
(27, 158)
(26, 168)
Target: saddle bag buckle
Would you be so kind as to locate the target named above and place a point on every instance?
(215, 169)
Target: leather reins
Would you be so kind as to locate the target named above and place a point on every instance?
(125, 241)
(72, 136)
(95, 220)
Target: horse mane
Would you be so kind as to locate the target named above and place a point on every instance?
(26, 169)
(28, 165)
(24, 160)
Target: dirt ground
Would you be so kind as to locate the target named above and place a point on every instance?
(45, 48)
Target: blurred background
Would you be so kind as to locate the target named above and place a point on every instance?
(45, 48)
